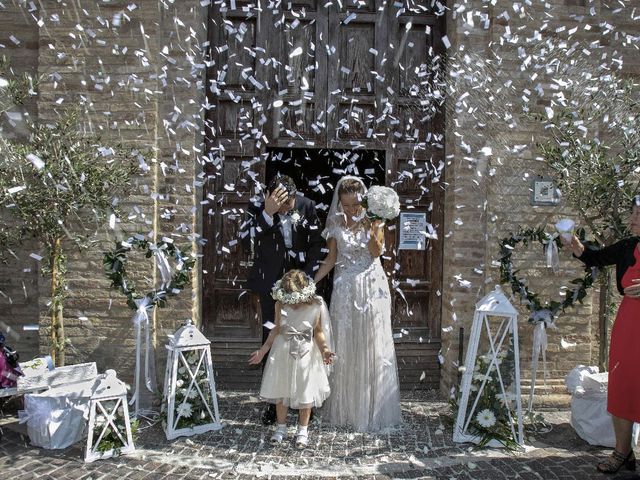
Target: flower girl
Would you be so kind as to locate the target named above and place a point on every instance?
(294, 374)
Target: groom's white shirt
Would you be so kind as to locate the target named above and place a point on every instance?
(286, 226)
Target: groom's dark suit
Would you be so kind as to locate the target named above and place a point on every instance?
(271, 257)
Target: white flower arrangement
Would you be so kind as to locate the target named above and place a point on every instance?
(190, 407)
(304, 296)
(381, 203)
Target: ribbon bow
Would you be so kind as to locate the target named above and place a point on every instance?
(551, 253)
(542, 319)
(164, 267)
(141, 321)
(299, 342)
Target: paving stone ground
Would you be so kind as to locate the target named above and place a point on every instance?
(421, 448)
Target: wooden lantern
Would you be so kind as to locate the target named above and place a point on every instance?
(190, 404)
(109, 425)
(496, 322)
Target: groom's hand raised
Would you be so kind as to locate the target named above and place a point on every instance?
(275, 200)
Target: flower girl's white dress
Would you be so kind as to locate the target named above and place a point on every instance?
(295, 373)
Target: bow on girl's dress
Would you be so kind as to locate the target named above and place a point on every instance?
(299, 342)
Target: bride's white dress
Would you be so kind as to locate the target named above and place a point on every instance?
(364, 385)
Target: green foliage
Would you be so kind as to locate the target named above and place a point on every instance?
(519, 288)
(14, 89)
(485, 385)
(58, 185)
(59, 179)
(115, 263)
(594, 153)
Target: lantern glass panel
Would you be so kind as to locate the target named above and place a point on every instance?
(493, 383)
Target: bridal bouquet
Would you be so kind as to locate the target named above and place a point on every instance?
(381, 203)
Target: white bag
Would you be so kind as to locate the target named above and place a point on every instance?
(590, 419)
(589, 416)
(575, 377)
(57, 418)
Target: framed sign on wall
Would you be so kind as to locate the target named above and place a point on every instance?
(544, 191)
(413, 231)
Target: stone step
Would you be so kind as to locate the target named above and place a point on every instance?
(544, 389)
(554, 401)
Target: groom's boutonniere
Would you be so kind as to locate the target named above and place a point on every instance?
(295, 217)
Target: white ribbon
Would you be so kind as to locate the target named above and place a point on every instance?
(541, 319)
(164, 267)
(551, 254)
(141, 321)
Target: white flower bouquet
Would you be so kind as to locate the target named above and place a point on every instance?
(381, 203)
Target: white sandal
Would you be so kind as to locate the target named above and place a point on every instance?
(278, 435)
(302, 440)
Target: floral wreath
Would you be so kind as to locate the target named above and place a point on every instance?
(303, 296)
(114, 262)
(540, 312)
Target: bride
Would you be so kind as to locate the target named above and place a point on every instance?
(364, 384)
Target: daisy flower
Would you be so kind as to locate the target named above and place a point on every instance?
(184, 409)
(486, 418)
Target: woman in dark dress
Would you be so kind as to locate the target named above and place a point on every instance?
(623, 400)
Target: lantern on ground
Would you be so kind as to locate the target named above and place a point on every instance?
(109, 424)
(490, 406)
(190, 403)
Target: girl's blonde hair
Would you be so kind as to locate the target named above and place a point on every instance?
(294, 281)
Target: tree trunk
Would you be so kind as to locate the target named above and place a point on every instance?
(603, 317)
(57, 321)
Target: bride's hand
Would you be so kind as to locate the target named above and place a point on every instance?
(376, 225)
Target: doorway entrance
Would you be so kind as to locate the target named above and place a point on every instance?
(316, 171)
(231, 317)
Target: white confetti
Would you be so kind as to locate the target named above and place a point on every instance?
(13, 190)
(36, 161)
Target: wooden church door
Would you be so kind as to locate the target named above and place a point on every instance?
(315, 75)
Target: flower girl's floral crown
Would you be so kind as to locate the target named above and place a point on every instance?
(303, 296)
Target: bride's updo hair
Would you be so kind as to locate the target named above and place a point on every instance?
(351, 186)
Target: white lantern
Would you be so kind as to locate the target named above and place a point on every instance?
(190, 404)
(486, 376)
(109, 424)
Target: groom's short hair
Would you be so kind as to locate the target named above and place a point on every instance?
(284, 181)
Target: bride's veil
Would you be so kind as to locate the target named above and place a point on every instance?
(335, 211)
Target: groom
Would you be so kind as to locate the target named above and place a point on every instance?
(282, 233)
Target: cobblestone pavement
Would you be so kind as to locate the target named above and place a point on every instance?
(421, 448)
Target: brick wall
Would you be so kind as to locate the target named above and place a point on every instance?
(484, 208)
(19, 279)
(128, 66)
